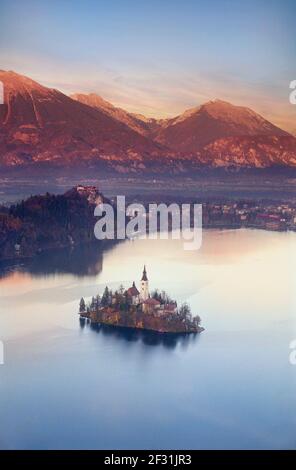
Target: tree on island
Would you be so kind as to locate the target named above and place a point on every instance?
(156, 295)
(127, 300)
(122, 305)
(184, 311)
(93, 303)
(121, 299)
(98, 302)
(121, 289)
(166, 299)
(196, 320)
(163, 297)
(82, 305)
(105, 297)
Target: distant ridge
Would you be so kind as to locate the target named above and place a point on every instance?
(42, 126)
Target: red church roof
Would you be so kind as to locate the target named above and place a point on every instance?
(151, 302)
(133, 291)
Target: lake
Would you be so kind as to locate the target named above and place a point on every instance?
(66, 384)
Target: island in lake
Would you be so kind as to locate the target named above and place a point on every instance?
(132, 308)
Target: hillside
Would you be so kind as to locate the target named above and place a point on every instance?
(39, 124)
(43, 128)
(48, 222)
(217, 119)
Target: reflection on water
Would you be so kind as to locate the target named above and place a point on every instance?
(85, 260)
(69, 384)
(148, 338)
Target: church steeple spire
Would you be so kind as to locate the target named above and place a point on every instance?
(144, 290)
(144, 276)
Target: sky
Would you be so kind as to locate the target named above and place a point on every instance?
(157, 58)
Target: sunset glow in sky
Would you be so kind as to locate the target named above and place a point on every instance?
(157, 58)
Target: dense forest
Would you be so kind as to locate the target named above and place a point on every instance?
(48, 221)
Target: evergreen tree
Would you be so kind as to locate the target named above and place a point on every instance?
(121, 289)
(127, 300)
(93, 303)
(105, 297)
(156, 295)
(82, 305)
(98, 302)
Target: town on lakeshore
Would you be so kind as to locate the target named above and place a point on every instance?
(140, 309)
(55, 221)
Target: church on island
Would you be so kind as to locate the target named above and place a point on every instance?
(140, 309)
(149, 303)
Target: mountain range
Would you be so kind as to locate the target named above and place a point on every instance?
(42, 127)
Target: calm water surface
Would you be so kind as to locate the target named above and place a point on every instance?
(65, 384)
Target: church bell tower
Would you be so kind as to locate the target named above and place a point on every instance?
(144, 290)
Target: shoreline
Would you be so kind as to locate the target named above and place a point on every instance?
(93, 242)
(149, 330)
(70, 246)
(158, 331)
